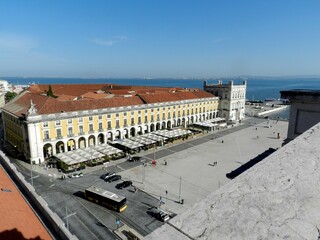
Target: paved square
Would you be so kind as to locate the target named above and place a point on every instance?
(199, 176)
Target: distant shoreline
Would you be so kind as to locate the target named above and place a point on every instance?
(257, 88)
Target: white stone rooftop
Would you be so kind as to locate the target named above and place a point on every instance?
(278, 198)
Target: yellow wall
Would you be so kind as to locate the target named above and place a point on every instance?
(208, 105)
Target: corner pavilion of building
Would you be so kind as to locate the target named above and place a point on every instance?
(46, 120)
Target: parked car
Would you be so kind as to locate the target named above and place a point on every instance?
(106, 175)
(123, 184)
(75, 175)
(158, 214)
(134, 159)
(113, 178)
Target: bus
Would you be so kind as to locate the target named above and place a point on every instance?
(106, 198)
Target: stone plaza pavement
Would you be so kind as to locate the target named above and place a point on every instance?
(195, 165)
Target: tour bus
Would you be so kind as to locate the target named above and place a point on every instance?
(106, 198)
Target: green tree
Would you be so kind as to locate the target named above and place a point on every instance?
(50, 92)
(9, 96)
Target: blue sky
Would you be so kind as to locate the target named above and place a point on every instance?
(159, 38)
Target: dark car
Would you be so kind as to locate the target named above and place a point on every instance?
(134, 159)
(113, 178)
(158, 214)
(107, 175)
(123, 184)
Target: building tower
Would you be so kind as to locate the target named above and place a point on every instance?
(232, 99)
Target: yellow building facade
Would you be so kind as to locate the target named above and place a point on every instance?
(39, 135)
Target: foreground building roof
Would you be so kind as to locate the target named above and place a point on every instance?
(17, 221)
(276, 199)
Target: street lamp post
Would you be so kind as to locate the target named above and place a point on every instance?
(166, 197)
(31, 173)
(180, 191)
(67, 216)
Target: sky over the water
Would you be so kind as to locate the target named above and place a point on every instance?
(159, 38)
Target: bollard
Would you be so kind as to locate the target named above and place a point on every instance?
(182, 201)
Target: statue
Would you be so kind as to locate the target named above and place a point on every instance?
(32, 110)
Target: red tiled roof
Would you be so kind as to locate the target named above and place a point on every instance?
(21, 103)
(64, 97)
(87, 89)
(93, 95)
(17, 218)
(177, 96)
(54, 106)
(48, 105)
(67, 89)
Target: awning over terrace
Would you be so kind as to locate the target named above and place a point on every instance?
(218, 119)
(85, 154)
(207, 124)
(176, 133)
(155, 137)
(143, 140)
(130, 144)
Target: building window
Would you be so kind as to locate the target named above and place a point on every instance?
(100, 126)
(45, 124)
(163, 116)
(100, 117)
(109, 116)
(132, 113)
(139, 112)
(91, 127)
(70, 132)
(58, 123)
(139, 120)
(58, 133)
(132, 121)
(109, 124)
(117, 114)
(145, 119)
(81, 129)
(90, 118)
(152, 110)
(124, 114)
(145, 111)
(80, 119)
(125, 122)
(46, 135)
(69, 120)
(117, 124)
